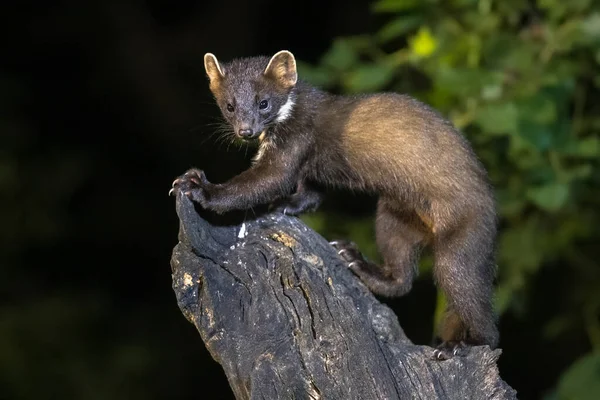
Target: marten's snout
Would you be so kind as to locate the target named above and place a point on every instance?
(246, 134)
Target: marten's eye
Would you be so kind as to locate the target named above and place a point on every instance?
(263, 104)
(230, 107)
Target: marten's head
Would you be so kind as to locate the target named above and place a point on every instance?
(253, 93)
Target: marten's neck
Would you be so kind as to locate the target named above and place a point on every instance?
(303, 108)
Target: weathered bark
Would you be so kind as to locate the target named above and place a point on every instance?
(279, 311)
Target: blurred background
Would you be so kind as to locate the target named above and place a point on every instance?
(104, 102)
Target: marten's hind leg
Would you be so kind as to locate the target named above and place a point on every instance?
(464, 270)
(400, 237)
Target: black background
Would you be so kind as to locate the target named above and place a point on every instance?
(103, 104)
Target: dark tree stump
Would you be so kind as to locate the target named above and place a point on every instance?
(286, 319)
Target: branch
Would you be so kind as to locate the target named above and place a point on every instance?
(285, 318)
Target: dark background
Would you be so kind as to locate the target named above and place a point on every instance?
(103, 103)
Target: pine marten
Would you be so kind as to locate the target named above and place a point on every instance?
(432, 188)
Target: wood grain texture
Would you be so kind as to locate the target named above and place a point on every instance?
(287, 320)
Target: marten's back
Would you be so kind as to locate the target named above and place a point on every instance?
(395, 144)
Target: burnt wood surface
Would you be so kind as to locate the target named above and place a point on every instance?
(286, 319)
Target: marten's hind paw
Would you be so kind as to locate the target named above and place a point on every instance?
(288, 207)
(348, 251)
(449, 349)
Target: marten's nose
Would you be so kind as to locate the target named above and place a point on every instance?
(245, 133)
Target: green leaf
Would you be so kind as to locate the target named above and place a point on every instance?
(399, 27)
(540, 173)
(519, 56)
(483, 23)
(315, 221)
(503, 298)
(464, 82)
(491, 92)
(498, 118)
(578, 173)
(549, 197)
(539, 109)
(440, 309)
(317, 76)
(584, 148)
(520, 249)
(368, 78)
(341, 56)
(463, 3)
(555, 8)
(568, 35)
(540, 136)
(509, 204)
(387, 6)
(423, 43)
(590, 27)
(582, 380)
(558, 77)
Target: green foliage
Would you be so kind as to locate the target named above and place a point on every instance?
(519, 79)
(581, 381)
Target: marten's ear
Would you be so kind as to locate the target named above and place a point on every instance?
(213, 69)
(282, 67)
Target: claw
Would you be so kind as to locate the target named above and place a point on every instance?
(353, 263)
(198, 175)
(448, 350)
(171, 191)
(335, 243)
(439, 355)
(456, 349)
(344, 244)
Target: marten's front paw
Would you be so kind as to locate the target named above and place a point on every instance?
(348, 251)
(193, 184)
(449, 349)
(192, 179)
